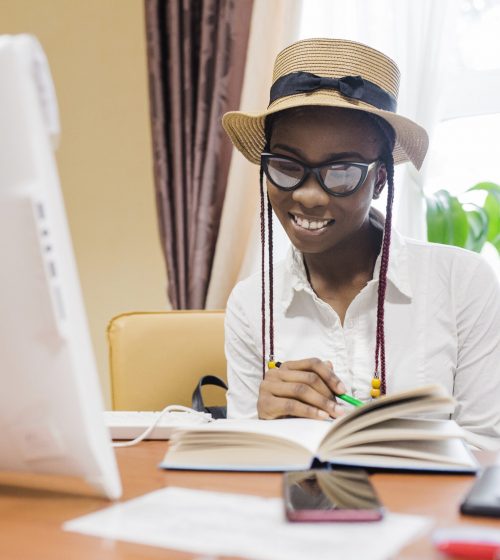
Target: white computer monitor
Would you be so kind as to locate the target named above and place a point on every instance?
(51, 409)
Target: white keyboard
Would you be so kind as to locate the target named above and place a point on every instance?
(125, 424)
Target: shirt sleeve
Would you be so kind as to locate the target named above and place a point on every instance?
(244, 360)
(477, 377)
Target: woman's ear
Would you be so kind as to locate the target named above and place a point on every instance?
(380, 181)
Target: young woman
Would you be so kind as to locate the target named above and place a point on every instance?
(355, 308)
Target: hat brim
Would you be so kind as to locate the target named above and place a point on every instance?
(246, 130)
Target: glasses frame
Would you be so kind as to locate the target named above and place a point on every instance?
(315, 170)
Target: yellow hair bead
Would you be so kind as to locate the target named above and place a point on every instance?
(375, 393)
(376, 383)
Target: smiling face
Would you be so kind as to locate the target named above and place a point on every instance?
(314, 220)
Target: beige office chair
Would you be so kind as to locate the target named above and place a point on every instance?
(157, 358)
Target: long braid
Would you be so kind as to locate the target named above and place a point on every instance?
(268, 127)
(387, 158)
(271, 278)
(263, 270)
(382, 285)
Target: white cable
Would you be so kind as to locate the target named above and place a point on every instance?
(166, 410)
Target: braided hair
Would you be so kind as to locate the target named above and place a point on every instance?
(387, 158)
(266, 227)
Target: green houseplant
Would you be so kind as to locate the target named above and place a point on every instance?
(455, 222)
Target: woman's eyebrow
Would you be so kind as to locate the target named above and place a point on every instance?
(330, 157)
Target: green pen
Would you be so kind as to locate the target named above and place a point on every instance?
(347, 398)
(350, 400)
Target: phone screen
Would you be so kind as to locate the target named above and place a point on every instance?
(331, 495)
(484, 497)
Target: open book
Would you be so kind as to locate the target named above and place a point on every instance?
(384, 433)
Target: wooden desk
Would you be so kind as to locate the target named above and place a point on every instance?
(31, 518)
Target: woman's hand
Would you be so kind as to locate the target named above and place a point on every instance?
(304, 388)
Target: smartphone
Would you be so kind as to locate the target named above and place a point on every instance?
(484, 496)
(330, 495)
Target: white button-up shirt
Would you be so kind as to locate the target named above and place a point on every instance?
(442, 324)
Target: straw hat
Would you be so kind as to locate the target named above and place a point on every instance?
(364, 79)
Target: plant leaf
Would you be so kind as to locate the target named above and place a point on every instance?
(450, 223)
(496, 243)
(486, 186)
(457, 226)
(478, 228)
(492, 209)
(436, 220)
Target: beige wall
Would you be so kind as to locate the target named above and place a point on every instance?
(96, 50)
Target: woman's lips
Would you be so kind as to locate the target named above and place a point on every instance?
(311, 225)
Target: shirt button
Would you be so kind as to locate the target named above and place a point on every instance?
(349, 323)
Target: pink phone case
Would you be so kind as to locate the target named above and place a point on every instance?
(335, 515)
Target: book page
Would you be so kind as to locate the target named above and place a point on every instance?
(429, 398)
(446, 452)
(246, 445)
(409, 429)
(303, 431)
(461, 460)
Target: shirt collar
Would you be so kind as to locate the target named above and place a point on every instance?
(397, 274)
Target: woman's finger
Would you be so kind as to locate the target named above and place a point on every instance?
(323, 369)
(282, 407)
(310, 378)
(302, 393)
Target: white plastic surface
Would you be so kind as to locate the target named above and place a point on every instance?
(50, 399)
(127, 424)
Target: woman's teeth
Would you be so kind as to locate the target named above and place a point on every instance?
(310, 224)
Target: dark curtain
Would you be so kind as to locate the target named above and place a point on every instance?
(196, 60)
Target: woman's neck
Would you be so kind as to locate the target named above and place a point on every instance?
(351, 262)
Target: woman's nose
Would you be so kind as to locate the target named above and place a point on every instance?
(310, 194)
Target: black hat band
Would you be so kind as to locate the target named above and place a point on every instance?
(354, 87)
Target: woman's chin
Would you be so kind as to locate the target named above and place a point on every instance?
(311, 240)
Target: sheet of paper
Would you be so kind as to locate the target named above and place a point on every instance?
(213, 523)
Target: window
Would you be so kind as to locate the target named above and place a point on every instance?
(466, 142)
(465, 145)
